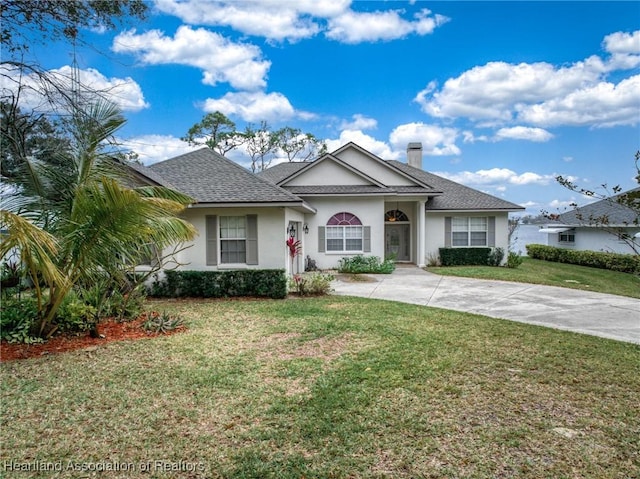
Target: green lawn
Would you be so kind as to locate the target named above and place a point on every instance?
(330, 387)
(553, 274)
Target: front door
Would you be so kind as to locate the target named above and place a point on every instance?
(397, 242)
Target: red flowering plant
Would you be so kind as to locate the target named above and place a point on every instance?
(294, 247)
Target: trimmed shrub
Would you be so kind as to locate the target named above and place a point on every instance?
(271, 283)
(625, 263)
(495, 257)
(366, 264)
(513, 259)
(464, 256)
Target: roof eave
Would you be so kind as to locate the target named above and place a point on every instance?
(466, 210)
(377, 193)
(255, 204)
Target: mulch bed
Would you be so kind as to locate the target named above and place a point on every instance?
(111, 330)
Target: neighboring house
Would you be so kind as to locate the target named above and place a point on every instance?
(583, 228)
(344, 203)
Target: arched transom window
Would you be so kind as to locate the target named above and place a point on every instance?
(344, 219)
(395, 215)
(344, 232)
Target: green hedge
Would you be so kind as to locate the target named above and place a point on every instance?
(626, 263)
(365, 264)
(464, 256)
(271, 283)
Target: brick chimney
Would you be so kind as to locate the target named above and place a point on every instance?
(414, 155)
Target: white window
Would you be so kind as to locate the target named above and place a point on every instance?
(568, 236)
(344, 232)
(233, 239)
(469, 231)
(344, 238)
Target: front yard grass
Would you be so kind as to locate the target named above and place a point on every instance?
(329, 387)
(553, 274)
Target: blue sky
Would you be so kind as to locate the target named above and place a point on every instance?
(503, 95)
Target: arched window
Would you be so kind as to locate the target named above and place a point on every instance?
(395, 215)
(344, 219)
(344, 232)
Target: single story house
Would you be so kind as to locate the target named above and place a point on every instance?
(604, 225)
(344, 203)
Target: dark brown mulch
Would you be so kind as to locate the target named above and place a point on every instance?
(111, 330)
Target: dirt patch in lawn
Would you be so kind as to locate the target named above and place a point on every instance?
(355, 278)
(284, 346)
(110, 331)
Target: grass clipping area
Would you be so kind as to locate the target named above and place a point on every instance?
(327, 387)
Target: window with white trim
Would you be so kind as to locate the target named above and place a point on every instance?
(568, 236)
(344, 232)
(469, 231)
(233, 239)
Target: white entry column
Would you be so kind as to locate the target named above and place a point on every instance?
(421, 235)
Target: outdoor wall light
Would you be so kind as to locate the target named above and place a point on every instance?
(306, 229)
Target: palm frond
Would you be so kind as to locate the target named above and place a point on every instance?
(110, 222)
(37, 248)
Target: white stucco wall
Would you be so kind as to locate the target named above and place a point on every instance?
(593, 239)
(272, 251)
(328, 172)
(379, 172)
(435, 230)
(370, 210)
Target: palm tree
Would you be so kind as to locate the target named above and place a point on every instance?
(97, 224)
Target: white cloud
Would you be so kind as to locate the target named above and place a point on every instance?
(436, 141)
(154, 148)
(541, 94)
(498, 177)
(357, 27)
(491, 91)
(622, 42)
(222, 61)
(255, 106)
(272, 19)
(124, 92)
(378, 148)
(360, 122)
(523, 133)
(278, 21)
(469, 136)
(600, 105)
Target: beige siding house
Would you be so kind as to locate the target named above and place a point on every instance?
(344, 203)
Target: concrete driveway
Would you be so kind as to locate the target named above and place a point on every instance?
(598, 314)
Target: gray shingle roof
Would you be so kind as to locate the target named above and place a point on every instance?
(454, 195)
(150, 174)
(357, 189)
(616, 213)
(209, 177)
(279, 172)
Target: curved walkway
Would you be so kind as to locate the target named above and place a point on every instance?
(597, 314)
